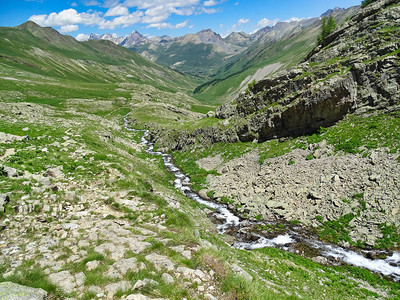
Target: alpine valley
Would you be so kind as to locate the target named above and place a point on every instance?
(251, 166)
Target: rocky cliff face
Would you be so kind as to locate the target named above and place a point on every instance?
(356, 70)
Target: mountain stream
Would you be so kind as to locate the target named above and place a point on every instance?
(228, 222)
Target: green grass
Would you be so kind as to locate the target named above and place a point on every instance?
(391, 237)
(336, 230)
(29, 274)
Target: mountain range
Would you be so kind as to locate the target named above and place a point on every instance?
(183, 53)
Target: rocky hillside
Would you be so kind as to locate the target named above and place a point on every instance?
(356, 70)
(316, 144)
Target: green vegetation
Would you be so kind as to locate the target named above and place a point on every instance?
(250, 85)
(337, 230)
(328, 26)
(190, 58)
(354, 133)
(29, 274)
(364, 3)
(391, 237)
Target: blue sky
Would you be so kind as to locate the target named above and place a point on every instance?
(160, 17)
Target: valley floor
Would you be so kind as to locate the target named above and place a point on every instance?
(91, 215)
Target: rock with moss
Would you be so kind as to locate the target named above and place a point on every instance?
(10, 290)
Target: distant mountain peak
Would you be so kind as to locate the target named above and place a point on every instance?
(330, 11)
(28, 24)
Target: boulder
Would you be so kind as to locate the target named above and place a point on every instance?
(10, 290)
(55, 172)
(8, 171)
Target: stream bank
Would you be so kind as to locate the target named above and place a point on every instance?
(295, 240)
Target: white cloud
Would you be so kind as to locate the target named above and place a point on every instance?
(74, 4)
(146, 4)
(82, 37)
(123, 21)
(242, 21)
(68, 28)
(110, 3)
(67, 17)
(213, 2)
(208, 11)
(238, 24)
(38, 19)
(168, 25)
(266, 22)
(155, 13)
(117, 11)
(210, 3)
(91, 3)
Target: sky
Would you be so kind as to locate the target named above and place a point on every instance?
(79, 18)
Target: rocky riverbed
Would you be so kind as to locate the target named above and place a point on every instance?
(292, 188)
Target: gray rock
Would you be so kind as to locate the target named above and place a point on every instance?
(4, 199)
(140, 297)
(55, 172)
(160, 261)
(209, 297)
(64, 280)
(242, 273)
(13, 291)
(8, 171)
(91, 265)
(320, 260)
(121, 267)
(113, 288)
(315, 195)
(167, 278)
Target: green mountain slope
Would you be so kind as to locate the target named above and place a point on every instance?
(277, 49)
(33, 50)
(191, 58)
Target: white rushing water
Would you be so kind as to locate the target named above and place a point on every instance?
(389, 266)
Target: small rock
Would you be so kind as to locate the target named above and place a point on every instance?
(91, 265)
(55, 172)
(145, 282)
(320, 260)
(80, 279)
(209, 297)
(4, 199)
(160, 261)
(242, 273)
(200, 274)
(167, 278)
(113, 288)
(139, 284)
(95, 289)
(63, 280)
(210, 114)
(70, 226)
(315, 195)
(187, 254)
